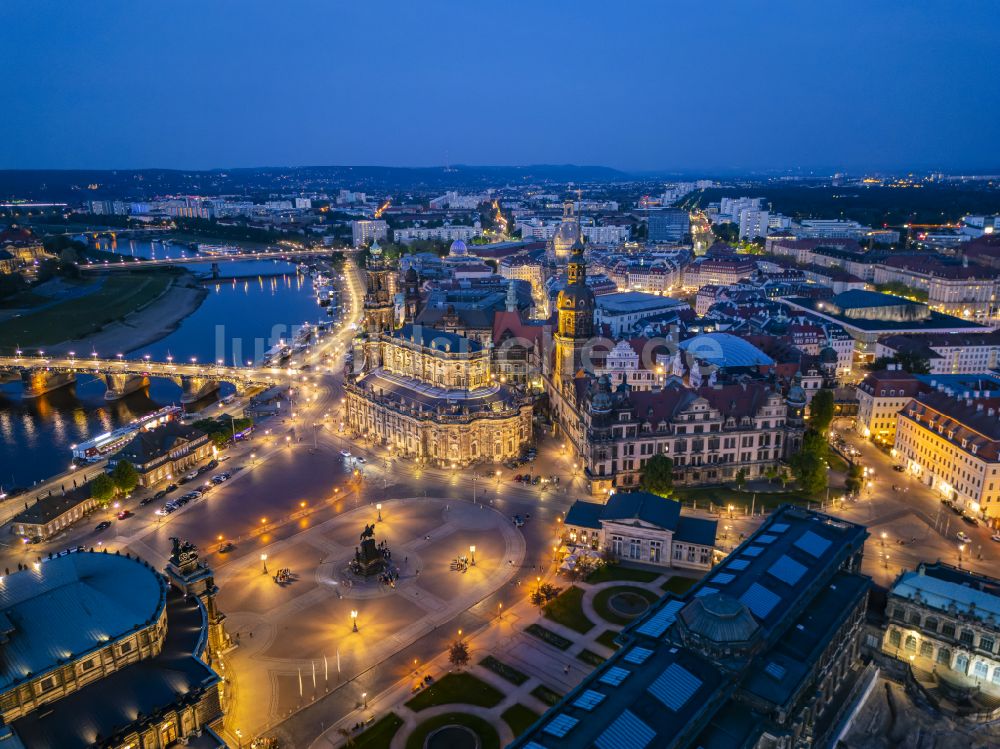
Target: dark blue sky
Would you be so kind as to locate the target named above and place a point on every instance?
(634, 85)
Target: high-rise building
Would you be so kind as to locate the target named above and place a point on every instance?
(753, 224)
(670, 225)
(366, 231)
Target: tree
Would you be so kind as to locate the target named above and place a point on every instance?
(727, 231)
(821, 410)
(458, 654)
(125, 477)
(102, 488)
(658, 476)
(741, 478)
(771, 473)
(855, 479)
(809, 463)
(544, 593)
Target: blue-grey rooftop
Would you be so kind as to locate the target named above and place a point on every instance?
(625, 302)
(647, 508)
(791, 577)
(438, 340)
(71, 605)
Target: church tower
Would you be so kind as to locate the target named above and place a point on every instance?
(575, 309)
(411, 295)
(378, 305)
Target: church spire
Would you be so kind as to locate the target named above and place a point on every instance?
(511, 297)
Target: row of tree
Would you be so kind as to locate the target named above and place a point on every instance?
(222, 429)
(122, 480)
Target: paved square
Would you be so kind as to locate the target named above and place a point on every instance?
(288, 629)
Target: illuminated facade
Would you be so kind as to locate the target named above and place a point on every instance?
(881, 396)
(379, 309)
(431, 395)
(952, 444)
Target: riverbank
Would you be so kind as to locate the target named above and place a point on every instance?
(147, 324)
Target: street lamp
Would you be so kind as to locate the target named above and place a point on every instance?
(961, 548)
(263, 561)
(472, 551)
(364, 700)
(354, 620)
(378, 506)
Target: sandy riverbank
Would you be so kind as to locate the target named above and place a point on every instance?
(156, 320)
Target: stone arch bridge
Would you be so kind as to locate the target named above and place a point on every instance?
(42, 375)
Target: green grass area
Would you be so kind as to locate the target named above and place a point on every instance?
(503, 670)
(615, 572)
(678, 585)
(119, 295)
(456, 688)
(488, 736)
(602, 606)
(548, 636)
(590, 657)
(519, 718)
(567, 609)
(379, 734)
(607, 638)
(546, 695)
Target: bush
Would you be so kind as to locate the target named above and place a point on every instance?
(549, 696)
(503, 670)
(590, 657)
(548, 636)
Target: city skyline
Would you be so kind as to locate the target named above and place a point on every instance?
(740, 89)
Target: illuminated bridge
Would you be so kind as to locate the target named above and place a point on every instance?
(127, 265)
(41, 374)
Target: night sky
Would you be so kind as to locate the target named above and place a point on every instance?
(634, 85)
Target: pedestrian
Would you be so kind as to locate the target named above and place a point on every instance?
(566, 670)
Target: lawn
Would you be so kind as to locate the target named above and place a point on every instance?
(678, 585)
(379, 734)
(548, 636)
(607, 638)
(837, 463)
(119, 295)
(614, 572)
(504, 670)
(519, 718)
(567, 609)
(488, 736)
(602, 607)
(546, 695)
(456, 688)
(590, 657)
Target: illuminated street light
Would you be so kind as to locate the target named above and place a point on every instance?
(378, 507)
(354, 620)
(472, 551)
(263, 561)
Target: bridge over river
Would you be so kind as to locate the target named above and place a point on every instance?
(129, 265)
(41, 374)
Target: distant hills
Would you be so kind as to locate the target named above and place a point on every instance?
(73, 185)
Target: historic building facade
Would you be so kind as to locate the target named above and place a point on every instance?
(431, 395)
(709, 433)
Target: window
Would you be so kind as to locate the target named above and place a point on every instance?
(898, 613)
(944, 656)
(894, 638)
(47, 683)
(962, 663)
(926, 649)
(966, 637)
(948, 630)
(931, 624)
(986, 643)
(910, 644)
(980, 670)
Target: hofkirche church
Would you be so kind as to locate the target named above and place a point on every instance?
(446, 399)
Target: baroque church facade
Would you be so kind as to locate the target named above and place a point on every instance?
(429, 394)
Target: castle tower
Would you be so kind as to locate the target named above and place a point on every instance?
(378, 305)
(411, 296)
(575, 309)
(511, 301)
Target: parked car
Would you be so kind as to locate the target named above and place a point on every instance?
(146, 500)
(963, 537)
(103, 525)
(360, 459)
(969, 519)
(211, 464)
(995, 537)
(898, 468)
(346, 453)
(165, 510)
(518, 521)
(217, 480)
(170, 488)
(192, 476)
(124, 514)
